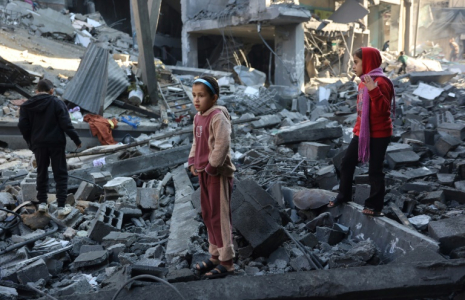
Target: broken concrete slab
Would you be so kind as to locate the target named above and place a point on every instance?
(425, 280)
(266, 121)
(33, 272)
(313, 151)
(183, 223)
(457, 130)
(432, 197)
(450, 233)
(402, 158)
(91, 259)
(8, 293)
(256, 217)
(440, 77)
(393, 239)
(150, 162)
(86, 191)
(123, 190)
(306, 132)
(446, 143)
(147, 198)
(114, 238)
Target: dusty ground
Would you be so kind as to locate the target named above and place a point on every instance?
(40, 54)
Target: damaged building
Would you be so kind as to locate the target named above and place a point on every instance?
(135, 227)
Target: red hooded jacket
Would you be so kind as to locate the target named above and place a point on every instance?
(381, 96)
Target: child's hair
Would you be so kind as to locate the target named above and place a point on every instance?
(401, 52)
(44, 85)
(212, 81)
(358, 53)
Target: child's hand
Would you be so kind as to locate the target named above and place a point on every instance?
(193, 171)
(369, 83)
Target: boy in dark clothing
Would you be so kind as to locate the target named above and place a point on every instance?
(43, 122)
(403, 59)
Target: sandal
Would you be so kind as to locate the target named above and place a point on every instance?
(219, 272)
(205, 266)
(335, 202)
(370, 212)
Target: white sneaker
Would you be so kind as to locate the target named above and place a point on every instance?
(43, 207)
(64, 211)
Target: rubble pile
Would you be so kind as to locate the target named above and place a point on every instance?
(136, 209)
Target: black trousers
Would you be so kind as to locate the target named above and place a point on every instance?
(403, 68)
(378, 147)
(57, 157)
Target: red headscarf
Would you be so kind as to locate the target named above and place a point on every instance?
(371, 59)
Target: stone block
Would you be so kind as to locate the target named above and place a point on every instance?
(73, 219)
(313, 151)
(6, 199)
(90, 248)
(460, 185)
(418, 186)
(300, 263)
(255, 216)
(105, 221)
(329, 235)
(78, 286)
(450, 233)
(420, 222)
(266, 121)
(115, 250)
(147, 198)
(275, 191)
(113, 238)
(402, 158)
(7, 293)
(446, 179)
(456, 130)
(398, 147)
(86, 191)
(91, 259)
(446, 143)
(362, 192)
(454, 195)
(327, 178)
(431, 197)
(307, 132)
(309, 240)
(101, 178)
(123, 190)
(54, 266)
(33, 272)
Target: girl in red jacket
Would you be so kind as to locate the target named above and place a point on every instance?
(372, 131)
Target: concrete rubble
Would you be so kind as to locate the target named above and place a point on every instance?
(136, 208)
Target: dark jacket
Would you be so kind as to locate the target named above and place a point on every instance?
(43, 122)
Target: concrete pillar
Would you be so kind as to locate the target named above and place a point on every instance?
(154, 13)
(190, 53)
(397, 28)
(290, 48)
(408, 7)
(144, 40)
(346, 62)
(376, 27)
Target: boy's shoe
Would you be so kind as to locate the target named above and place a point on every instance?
(62, 212)
(43, 207)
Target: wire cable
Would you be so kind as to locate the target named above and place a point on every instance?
(31, 286)
(149, 277)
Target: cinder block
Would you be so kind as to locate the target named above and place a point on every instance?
(33, 272)
(86, 191)
(123, 190)
(106, 220)
(431, 197)
(313, 150)
(445, 143)
(450, 233)
(29, 188)
(255, 216)
(327, 178)
(456, 130)
(402, 158)
(147, 198)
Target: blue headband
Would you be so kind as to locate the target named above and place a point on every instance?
(206, 83)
